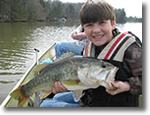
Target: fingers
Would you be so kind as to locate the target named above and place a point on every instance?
(119, 87)
(112, 92)
(58, 87)
(73, 35)
(78, 36)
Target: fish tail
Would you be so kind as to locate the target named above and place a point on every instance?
(18, 95)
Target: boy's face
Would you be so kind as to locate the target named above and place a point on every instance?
(99, 32)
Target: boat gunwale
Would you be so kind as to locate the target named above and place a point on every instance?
(22, 79)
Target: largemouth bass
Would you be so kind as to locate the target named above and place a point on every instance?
(76, 73)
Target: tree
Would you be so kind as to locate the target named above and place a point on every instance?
(41, 10)
(120, 15)
(36, 11)
(55, 9)
(4, 11)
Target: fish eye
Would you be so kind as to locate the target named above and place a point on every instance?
(103, 65)
(81, 66)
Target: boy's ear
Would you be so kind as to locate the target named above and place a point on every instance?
(114, 23)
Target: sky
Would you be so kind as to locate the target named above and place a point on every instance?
(132, 7)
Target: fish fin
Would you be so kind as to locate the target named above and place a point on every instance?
(39, 68)
(71, 82)
(44, 94)
(64, 56)
(77, 94)
(18, 95)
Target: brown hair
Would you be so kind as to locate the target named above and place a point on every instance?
(96, 10)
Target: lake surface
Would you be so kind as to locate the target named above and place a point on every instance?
(17, 41)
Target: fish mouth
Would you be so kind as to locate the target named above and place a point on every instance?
(111, 74)
(110, 78)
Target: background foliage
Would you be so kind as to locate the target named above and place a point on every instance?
(49, 10)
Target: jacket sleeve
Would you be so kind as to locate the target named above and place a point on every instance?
(133, 64)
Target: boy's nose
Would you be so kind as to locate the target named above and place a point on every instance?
(96, 29)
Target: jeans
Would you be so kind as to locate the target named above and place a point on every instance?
(61, 100)
(64, 47)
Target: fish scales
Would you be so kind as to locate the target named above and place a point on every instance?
(50, 74)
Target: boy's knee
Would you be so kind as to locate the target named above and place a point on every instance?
(57, 45)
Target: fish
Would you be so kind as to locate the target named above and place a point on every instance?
(76, 73)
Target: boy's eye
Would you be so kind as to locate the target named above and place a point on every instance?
(87, 25)
(101, 22)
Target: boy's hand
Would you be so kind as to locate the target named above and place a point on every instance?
(120, 87)
(78, 36)
(58, 87)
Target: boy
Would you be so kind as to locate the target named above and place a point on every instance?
(123, 50)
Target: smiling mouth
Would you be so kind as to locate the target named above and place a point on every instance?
(99, 37)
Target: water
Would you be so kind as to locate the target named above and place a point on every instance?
(17, 41)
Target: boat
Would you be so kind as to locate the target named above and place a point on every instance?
(9, 101)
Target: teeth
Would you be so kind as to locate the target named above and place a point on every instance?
(98, 36)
